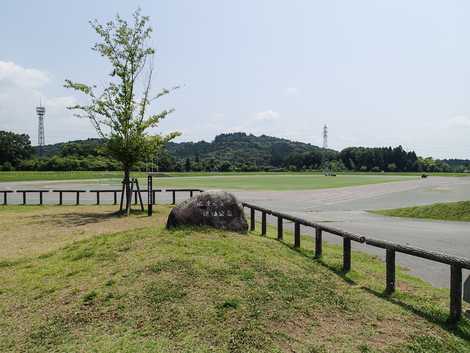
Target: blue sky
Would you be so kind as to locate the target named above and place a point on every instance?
(377, 72)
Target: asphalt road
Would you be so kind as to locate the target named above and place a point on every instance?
(344, 208)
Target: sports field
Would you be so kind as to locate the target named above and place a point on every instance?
(228, 181)
(88, 175)
(275, 182)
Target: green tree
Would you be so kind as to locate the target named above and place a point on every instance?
(119, 112)
(13, 149)
(187, 165)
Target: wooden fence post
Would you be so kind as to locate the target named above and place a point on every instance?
(346, 254)
(97, 197)
(60, 198)
(252, 219)
(5, 198)
(40, 198)
(318, 242)
(174, 197)
(149, 196)
(24, 197)
(263, 223)
(390, 263)
(297, 235)
(190, 193)
(78, 198)
(455, 293)
(115, 197)
(279, 228)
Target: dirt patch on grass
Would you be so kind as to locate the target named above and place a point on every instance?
(37, 230)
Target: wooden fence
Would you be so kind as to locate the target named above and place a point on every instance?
(456, 263)
(78, 192)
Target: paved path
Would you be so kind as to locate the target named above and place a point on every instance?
(345, 208)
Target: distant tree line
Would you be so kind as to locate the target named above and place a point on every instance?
(236, 152)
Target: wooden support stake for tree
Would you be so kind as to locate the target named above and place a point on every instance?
(346, 254)
(455, 293)
(318, 242)
(135, 197)
(153, 197)
(279, 228)
(390, 263)
(263, 223)
(129, 199)
(296, 235)
(252, 219)
(140, 195)
(123, 190)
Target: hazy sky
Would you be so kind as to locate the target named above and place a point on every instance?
(377, 72)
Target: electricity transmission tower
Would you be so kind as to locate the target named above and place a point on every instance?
(325, 136)
(41, 112)
(325, 164)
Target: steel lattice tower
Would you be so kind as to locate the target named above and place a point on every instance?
(41, 112)
(325, 136)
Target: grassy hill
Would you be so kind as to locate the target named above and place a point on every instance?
(451, 211)
(146, 289)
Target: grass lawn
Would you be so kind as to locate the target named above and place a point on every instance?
(84, 175)
(141, 288)
(451, 211)
(245, 181)
(275, 182)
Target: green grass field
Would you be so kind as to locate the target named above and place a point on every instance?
(274, 182)
(451, 211)
(73, 287)
(84, 175)
(246, 181)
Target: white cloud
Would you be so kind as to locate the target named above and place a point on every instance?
(21, 89)
(12, 74)
(291, 91)
(267, 115)
(460, 121)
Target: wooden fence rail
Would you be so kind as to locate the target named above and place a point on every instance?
(97, 192)
(5, 196)
(39, 191)
(456, 263)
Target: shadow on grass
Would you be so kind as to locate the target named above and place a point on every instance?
(431, 314)
(338, 270)
(75, 219)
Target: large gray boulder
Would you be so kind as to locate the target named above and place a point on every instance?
(217, 209)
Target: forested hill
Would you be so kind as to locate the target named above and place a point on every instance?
(88, 147)
(247, 151)
(227, 152)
